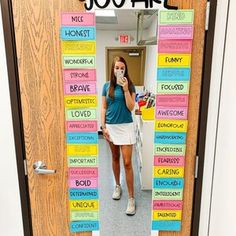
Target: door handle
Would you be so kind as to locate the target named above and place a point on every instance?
(40, 168)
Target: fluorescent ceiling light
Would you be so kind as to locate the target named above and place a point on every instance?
(105, 13)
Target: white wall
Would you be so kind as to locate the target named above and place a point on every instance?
(10, 209)
(218, 194)
(223, 207)
(151, 54)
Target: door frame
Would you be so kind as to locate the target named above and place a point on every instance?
(203, 115)
(13, 77)
(16, 109)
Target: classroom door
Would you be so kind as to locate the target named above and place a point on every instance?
(37, 25)
(37, 30)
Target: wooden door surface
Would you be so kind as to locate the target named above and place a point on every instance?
(37, 25)
(136, 64)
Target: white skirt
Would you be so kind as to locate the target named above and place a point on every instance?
(122, 134)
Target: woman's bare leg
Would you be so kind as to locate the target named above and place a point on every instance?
(115, 150)
(127, 159)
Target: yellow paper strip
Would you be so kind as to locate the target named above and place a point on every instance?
(80, 101)
(174, 60)
(81, 47)
(82, 150)
(171, 125)
(167, 215)
(83, 205)
(168, 172)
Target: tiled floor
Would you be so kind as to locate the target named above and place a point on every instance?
(114, 221)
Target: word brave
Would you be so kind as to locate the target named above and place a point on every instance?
(148, 3)
(77, 88)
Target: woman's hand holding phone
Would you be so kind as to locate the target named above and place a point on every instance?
(125, 84)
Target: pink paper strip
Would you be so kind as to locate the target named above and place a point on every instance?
(175, 46)
(176, 32)
(172, 100)
(79, 75)
(177, 113)
(81, 126)
(77, 19)
(167, 205)
(76, 88)
(169, 161)
(83, 183)
(83, 172)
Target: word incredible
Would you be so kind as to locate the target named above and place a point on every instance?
(120, 4)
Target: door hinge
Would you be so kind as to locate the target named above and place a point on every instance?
(208, 7)
(196, 167)
(25, 167)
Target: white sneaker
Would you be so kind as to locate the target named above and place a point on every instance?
(131, 207)
(117, 192)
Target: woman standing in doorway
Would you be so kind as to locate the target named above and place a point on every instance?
(118, 100)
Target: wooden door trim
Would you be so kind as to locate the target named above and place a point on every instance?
(13, 76)
(202, 128)
(14, 88)
(125, 48)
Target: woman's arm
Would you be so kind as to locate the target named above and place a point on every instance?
(129, 98)
(103, 111)
(103, 119)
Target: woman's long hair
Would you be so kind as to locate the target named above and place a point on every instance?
(113, 77)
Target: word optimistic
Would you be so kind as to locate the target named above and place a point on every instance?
(148, 3)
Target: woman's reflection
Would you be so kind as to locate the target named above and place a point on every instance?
(118, 100)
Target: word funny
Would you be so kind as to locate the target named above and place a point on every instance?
(120, 4)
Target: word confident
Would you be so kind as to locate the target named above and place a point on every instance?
(148, 3)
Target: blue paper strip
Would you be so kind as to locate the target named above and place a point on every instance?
(74, 138)
(170, 183)
(170, 137)
(173, 74)
(78, 33)
(77, 194)
(83, 226)
(165, 225)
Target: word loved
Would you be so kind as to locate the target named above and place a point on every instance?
(81, 114)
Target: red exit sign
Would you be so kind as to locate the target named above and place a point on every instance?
(124, 38)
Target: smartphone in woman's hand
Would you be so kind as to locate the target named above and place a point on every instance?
(119, 77)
